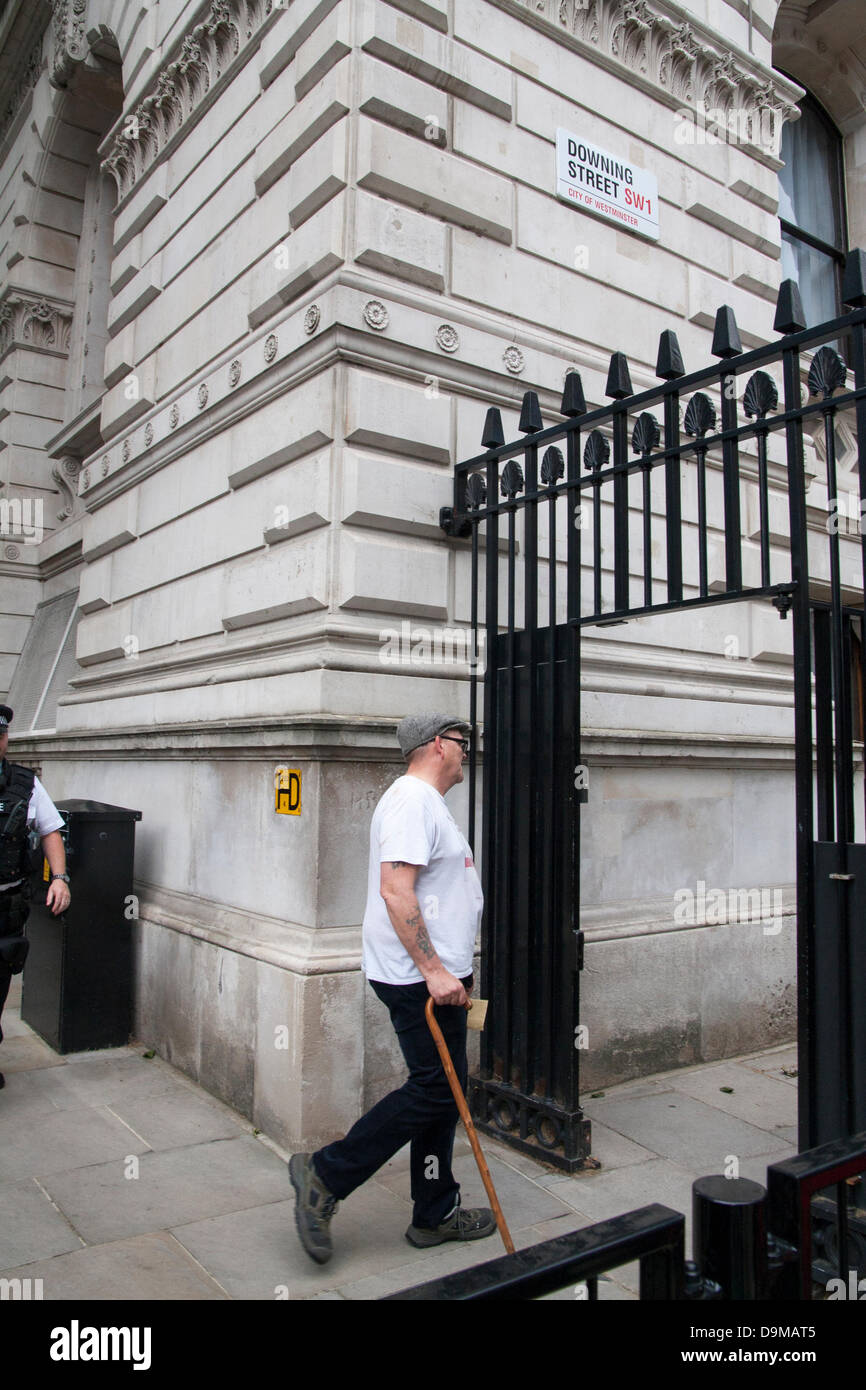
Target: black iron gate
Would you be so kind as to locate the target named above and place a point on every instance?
(585, 491)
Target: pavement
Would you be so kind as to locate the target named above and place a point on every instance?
(120, 1178)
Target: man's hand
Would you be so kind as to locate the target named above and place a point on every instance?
(446, 988)
(58, 897)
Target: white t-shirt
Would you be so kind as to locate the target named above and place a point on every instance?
(412, 823)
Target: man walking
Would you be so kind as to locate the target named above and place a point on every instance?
(423, 909)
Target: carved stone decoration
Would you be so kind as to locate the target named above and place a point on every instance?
(234, 372)
(202, 395)
(11, 552)
(148, 434)
(311, 319)
(85, 480)
(681, 57)
(174, 416)
(64, 475)
(447, 337)
(376, 315)
(271, 347)
(70, 47)
(514, 359)
(126, 451)
(27, 80)
(34, 323)
(105, 465)
(207, 52)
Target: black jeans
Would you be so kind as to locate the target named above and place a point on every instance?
(422, 1110)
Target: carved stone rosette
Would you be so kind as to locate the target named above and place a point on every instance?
(34, 323)
(673, 55)
(206, 53)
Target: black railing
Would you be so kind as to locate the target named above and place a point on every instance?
(782, 1242)
(586, 470)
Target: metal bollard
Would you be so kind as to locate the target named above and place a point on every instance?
(729, 1235)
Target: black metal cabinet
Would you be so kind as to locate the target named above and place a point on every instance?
(78, 980)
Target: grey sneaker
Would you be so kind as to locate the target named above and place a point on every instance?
(314, 1207)
(464, 1223)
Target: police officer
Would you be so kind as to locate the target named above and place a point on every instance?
(23, 802)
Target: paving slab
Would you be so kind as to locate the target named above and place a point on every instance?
(149, 1267)
(31, 1227)
(172, 1189)
(752, 1095)
(173, 1120)
(65, 1140)
(95, 1080)
(524, 1201)
(696, 1135)
(602, 1195)
(25, 1052)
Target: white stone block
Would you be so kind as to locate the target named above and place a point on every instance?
(735, 218)
(142, 290)
(432, 12)
(131, 398)
(329, 42)
(755, 272)
(99, 636)
(297, 499)
(316, 249)
(390, 496)
(63, 213)
(285, 429)
(408, 44)
(149, 195)
(319, 174)
(386, 576)
(112, 526)
(280, 45)
(594, 251)
(95, 586)
(406, 102)
(303, 126)
(389, 415)
(389, 237)
(706, 294)
(63, 176)
(120, 355)
(412, 171)
(292, 578)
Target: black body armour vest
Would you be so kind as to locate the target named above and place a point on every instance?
(16, 785)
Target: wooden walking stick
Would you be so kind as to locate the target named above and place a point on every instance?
(459, 1097)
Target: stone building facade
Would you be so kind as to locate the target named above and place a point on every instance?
(265, 267)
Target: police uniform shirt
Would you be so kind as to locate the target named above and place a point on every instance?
(41, 813)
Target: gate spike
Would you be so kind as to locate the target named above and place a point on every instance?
(492, 435)
(670, 363)
(573, 401)
(854, 279)
(789, 309)
(618, 380)
(530, 414)
(726, 338)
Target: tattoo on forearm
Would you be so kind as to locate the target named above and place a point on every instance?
(422, 937)
(398, 864)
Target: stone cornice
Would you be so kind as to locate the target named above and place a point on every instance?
(21, 63)
(70, 46)
(181, 88)
(655, 42)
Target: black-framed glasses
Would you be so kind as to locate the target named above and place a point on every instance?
(449, 738)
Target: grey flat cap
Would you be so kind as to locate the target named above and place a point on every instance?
(416, 729)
